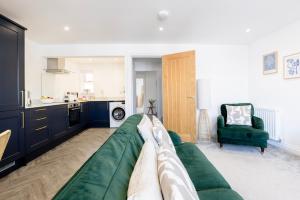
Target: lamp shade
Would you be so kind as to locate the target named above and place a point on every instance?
(204, 94)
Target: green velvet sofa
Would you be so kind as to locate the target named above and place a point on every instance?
(105, 175)
(242, 135)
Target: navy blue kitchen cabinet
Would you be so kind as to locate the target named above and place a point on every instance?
(12, 115)
(84, 114)
(11, 65)
(14, 121)
(37, 128)
(99, 114)
(59, 121)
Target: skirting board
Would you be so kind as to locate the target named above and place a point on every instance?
(293, 149)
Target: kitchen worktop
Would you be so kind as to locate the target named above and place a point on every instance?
(37, 103)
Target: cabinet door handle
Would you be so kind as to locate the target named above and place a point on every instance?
(41, 109)
(39, 119)
(22, 98)
(81, 108)
(38, 129)
(23, 119)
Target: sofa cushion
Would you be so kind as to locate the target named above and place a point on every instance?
(219, 194)
(175, 182)
(144, 183)
(203, 174)
(145, 129)
(243, 133)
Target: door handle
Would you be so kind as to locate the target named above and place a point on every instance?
(23, 120)
(22, 98)
(190, 97)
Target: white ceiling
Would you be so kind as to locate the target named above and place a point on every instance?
(135, 21)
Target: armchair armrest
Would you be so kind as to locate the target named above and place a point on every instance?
(258, 123)
(174, 137)
(220, 121)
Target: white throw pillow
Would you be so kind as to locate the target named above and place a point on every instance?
(239, 115)
(144, 183)
(145, 129)
(173, 177)
(161, 135)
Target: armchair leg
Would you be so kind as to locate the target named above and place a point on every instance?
(262, 150)
(221, 145)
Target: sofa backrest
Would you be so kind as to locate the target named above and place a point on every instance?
(107, 173)
(224, 111)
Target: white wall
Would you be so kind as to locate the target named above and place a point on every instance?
(33, 66)
(225, 65)
(272, 91)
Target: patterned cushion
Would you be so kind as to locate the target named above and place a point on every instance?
(145, 129)
(144, 183)
(161, 135)
(239, 115)
(173, 177)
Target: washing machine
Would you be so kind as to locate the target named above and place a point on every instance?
(117, 113)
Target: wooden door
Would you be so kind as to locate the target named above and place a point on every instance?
(179, 94)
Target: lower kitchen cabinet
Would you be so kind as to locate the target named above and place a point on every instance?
(99, 114)
(14, 121)
(84, 114)
(58, 121)
(37, 128)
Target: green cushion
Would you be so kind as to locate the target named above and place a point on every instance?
(203, 174)
(175, 137)
(237, 132)
(219, 194)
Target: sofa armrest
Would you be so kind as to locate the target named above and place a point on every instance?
(220, 122)
(258, 123)
(175, 137)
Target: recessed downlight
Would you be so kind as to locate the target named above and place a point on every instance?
(66, 28)
(161, 28)
(248, 30)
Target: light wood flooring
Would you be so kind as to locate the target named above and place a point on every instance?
(41, 178)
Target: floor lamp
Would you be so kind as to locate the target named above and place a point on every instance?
(204, 103)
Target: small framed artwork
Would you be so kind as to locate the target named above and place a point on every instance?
(291, 65)
(270, 63)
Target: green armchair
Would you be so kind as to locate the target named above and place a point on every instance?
(239, 134)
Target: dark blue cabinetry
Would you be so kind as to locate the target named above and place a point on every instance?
(37, 128)
(58, 121)
(13, 120)
(11, 66)
(84, 114)
(99, 114)
(12, 115)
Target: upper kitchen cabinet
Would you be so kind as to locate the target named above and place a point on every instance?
(11, 65)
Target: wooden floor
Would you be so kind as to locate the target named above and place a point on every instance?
(43, 177)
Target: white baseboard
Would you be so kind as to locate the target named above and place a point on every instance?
(294, 149)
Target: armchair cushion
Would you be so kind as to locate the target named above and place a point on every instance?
(237, 132)
(224, 110)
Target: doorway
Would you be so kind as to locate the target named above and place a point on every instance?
(147, 86)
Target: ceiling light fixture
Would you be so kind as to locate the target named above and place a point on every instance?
(248, 30)
(163, 15)
(161, 28)
(66, 28)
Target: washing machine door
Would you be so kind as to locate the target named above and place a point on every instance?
(118, 113)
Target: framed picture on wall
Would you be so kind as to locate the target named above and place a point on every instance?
(270, 63)
(291, 66)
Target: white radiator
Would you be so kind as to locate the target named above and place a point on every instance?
(271, 122)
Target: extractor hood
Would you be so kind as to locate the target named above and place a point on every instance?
(56, 66)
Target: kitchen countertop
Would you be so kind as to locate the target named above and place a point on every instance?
(37, 104)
